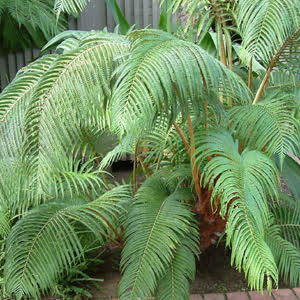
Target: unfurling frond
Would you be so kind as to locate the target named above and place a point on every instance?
(242, 183)
(45, 243)
(156, 225)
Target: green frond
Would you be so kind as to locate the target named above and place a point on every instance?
(69, 6)
(161, 140)
(287, 218)
(262, 37)
(82, 79)
(5, 222)
(156, 224)
(174, 285)
(287, 256)
(45, 243)
(13, 102)
(32, 23)
(163, 71)
(73, 176)
(242, 183)
(269, 126)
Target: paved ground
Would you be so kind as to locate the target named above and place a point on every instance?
(282, 294)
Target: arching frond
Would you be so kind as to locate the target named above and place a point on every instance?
(69, 6)
(242, 182)
(45, 242)
(165, 71)
(269, 125)
(156, 224)
(265, 39)
(287, 218)
(82, 78)
(174, 284)
(13, 102)
(287, 256)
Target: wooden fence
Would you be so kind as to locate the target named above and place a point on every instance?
(95, 16)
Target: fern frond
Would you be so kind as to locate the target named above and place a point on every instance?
(287, 256)
(265, 39)
(156, 224)
(268, 126)
(287, 218)
(30, 21)
(45, 243)
(82, 78)
(69, 6)
(242, 183)
(165, 71)
(175, 283)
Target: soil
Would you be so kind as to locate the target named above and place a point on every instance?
(214, 275)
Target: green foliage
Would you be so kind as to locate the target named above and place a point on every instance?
(195, 136)
(174, 284)
(46, 242)
(31, 22)
(246, 179)
(264, 38)
(270, 125)
(157, 222)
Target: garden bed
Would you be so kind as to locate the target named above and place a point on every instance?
(214, 275)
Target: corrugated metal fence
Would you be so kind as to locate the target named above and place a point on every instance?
(96, 16)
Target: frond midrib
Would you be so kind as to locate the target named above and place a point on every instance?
(60, 212)
(146, 246)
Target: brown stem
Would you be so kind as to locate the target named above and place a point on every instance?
(222, 47)
(250, 74)
(158, 162)
(146, 171)
(272, 64)
(206, 114)
(192, 156)
(263, 85)
(109, 225)
(181, 134)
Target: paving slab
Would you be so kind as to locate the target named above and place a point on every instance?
(237, 296)
(284, 294)
(196, 297)
(259, 296)
(214, 297)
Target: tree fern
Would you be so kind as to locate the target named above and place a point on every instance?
(156, 224)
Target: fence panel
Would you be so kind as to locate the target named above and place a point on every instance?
(95, 16)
